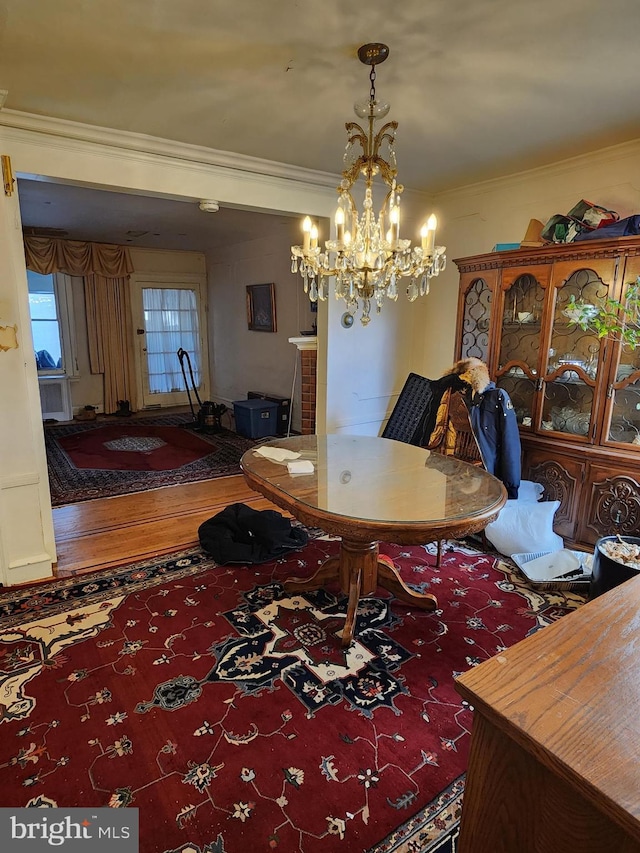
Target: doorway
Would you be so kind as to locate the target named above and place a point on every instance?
(169, 314)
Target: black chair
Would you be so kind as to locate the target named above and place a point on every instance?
(431, 413)
(415, 413)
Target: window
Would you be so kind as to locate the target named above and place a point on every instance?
(171, 323)
(51, 309)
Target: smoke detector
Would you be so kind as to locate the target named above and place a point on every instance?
(209, 205)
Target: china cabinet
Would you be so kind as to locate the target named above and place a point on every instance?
(576, 397)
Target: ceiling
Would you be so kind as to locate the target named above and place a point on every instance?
(479, 89)
(79, 213)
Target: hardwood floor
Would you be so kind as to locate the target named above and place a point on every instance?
(111, 532)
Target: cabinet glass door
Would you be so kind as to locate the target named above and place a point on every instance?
(476, 314)
(573, 360)
(519, 354)
(624, 389)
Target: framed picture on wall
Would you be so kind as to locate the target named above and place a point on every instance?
(261, 307)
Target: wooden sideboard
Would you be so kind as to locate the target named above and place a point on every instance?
(555, 748)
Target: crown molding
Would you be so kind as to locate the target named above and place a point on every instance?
(580, 162)
(157, 147)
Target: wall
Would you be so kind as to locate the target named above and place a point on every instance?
(366, 367)
(244, 360)
(477, 217)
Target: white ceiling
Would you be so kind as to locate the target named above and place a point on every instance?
(479, 87)
(78, 213)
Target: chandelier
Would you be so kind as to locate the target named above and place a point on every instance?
(368, 258)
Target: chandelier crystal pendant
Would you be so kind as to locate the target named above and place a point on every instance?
(368, 257)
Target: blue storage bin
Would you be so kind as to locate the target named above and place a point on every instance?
(284, 409)
(256, 418)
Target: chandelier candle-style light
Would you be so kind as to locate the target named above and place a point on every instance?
(368, 257)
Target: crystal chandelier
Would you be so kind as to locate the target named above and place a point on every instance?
(368, 257)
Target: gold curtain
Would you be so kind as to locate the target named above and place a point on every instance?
(76, 257)
(105, 269)
(110, 332)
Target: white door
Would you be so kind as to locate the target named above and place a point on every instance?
(27, 545)
(169, 315)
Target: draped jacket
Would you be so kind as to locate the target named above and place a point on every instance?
(495, 427)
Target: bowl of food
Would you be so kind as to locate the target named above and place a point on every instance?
(616, 560)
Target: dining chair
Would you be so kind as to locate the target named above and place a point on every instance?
(453, 436)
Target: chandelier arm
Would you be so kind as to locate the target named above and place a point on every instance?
(383, 134)
(387, 172)
(353, 208)
(353, 172)
(359, 136)
(388, 195)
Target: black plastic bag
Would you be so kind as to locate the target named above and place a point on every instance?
(241, 534)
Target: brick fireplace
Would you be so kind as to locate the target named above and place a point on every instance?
(308, 347)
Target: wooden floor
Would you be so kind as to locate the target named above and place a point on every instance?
(111, 532)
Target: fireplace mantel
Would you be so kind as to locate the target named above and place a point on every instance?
(308, 346)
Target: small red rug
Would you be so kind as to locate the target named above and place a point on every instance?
(226, 711)
(106, 458)
(135, 447)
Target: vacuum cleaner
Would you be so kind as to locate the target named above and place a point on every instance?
(207, 419)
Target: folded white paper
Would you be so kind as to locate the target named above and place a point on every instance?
(277, 454)
(300, 466)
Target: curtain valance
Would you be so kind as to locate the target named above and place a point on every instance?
(76, 257)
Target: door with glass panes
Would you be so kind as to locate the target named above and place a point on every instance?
(169, 315)
(519, 356)
(575, 358)
(621, 424)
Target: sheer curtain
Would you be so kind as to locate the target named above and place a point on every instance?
(171, 323)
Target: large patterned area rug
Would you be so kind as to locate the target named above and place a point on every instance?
(226, 711)
(106, 458)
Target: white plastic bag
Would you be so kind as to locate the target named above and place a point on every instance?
(524, 526)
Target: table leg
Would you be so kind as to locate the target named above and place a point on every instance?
(360, 568)
(328, 571)
(389, 578)
(352, 608)
(355, 568)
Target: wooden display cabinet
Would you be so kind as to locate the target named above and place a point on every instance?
(576, 397)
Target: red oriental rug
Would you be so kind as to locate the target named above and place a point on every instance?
(227, 712)
(106, 458)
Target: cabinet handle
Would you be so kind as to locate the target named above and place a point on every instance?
(610, 391)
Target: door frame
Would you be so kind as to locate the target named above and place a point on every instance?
(191, 281)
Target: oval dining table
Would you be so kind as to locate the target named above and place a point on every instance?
(368, 490)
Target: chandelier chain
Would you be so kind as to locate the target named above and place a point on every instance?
(372, 90)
